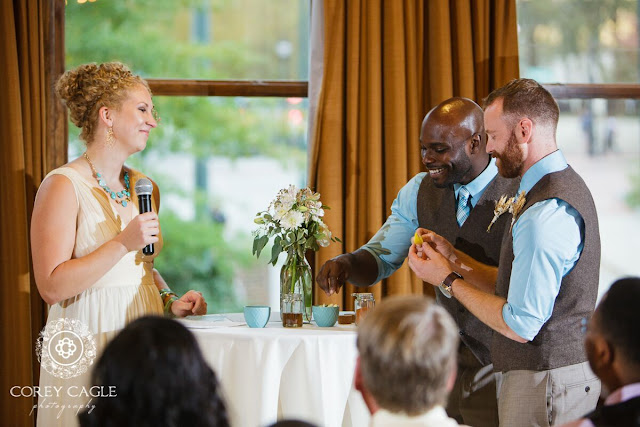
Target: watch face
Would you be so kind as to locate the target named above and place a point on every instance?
(446, 290)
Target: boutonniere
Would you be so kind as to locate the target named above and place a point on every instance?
(502, 206)
(516, 207)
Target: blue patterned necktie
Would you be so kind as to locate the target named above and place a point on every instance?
(463, 206)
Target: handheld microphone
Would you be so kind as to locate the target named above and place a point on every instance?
(144, 188)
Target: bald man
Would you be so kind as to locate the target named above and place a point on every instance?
(456, 196)
(546, 282)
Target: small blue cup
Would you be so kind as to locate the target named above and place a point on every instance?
(257, 316)
(325, 316)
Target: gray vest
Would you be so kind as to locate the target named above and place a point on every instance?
(560, 341)
(437, 212)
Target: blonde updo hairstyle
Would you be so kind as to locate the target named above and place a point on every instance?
(89, 87)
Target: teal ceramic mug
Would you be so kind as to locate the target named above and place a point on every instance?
(257, 316)
(325, 316)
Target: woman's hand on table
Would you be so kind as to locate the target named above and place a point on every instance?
(189, 304)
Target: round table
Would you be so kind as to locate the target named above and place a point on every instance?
(276, 373)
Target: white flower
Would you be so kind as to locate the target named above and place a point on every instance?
(287, 202)
(326, 239)
(304, 194)
(324, 242)
(286, 197)
(291, 216)
(279, 211)
(292, 220)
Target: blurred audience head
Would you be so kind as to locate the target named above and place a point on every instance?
(407, 361)
(292, 423)
(612, 341)
(160, 378)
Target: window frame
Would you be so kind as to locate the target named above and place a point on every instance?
(54, 58)
(245, 88)
(591, 91)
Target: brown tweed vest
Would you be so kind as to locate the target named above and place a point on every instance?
(437, 212)
(560, 341)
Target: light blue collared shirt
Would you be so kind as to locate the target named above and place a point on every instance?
(478, 185)
(547, 242)
(390, 245)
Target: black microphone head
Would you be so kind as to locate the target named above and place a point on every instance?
(143, 187)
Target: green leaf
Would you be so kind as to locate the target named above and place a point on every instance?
(261, 243)
(255, 246)
(275, 251)
(301, 251)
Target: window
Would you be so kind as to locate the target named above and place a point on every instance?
(586, 53)
(229, 83)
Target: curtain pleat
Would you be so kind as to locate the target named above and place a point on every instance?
(23, 164)
(385, 64)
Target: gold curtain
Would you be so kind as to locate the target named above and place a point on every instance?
(24, 160)
(385, 64)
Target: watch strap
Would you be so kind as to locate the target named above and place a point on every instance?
(448, 281)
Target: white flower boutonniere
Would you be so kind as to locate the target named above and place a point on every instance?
(516, 207)
(502, 206)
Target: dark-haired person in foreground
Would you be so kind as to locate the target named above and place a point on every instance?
(292, 423)
(407, 362)
(454, 198)
(613, 348)
(546, 282)
(160, 378)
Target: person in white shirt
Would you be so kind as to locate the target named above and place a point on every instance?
(612, 343)
(407, 362)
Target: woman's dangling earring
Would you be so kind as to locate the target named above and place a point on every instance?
(111, 140)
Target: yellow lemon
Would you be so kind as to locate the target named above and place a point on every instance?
(417, 239)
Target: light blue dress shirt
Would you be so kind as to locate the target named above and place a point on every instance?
(390, 245)
(547, 241)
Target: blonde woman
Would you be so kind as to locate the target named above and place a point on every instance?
(87, 233)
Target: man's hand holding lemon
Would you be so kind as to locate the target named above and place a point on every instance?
(437, 242)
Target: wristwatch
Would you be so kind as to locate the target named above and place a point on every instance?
(445, 286)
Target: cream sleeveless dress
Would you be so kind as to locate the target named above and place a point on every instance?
(124, 293)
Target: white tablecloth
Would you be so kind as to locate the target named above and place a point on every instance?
(285, 373)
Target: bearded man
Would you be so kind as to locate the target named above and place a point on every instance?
(546, 282)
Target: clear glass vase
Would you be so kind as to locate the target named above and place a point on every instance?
(295, 278)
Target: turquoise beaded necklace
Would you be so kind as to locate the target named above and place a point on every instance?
(123, 197)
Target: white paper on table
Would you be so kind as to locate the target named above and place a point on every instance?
(208, 321)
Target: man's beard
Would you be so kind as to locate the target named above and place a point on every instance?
(511, 162)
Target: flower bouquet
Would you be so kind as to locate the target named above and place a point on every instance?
(294, 221)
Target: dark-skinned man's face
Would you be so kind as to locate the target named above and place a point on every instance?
(443, 152)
